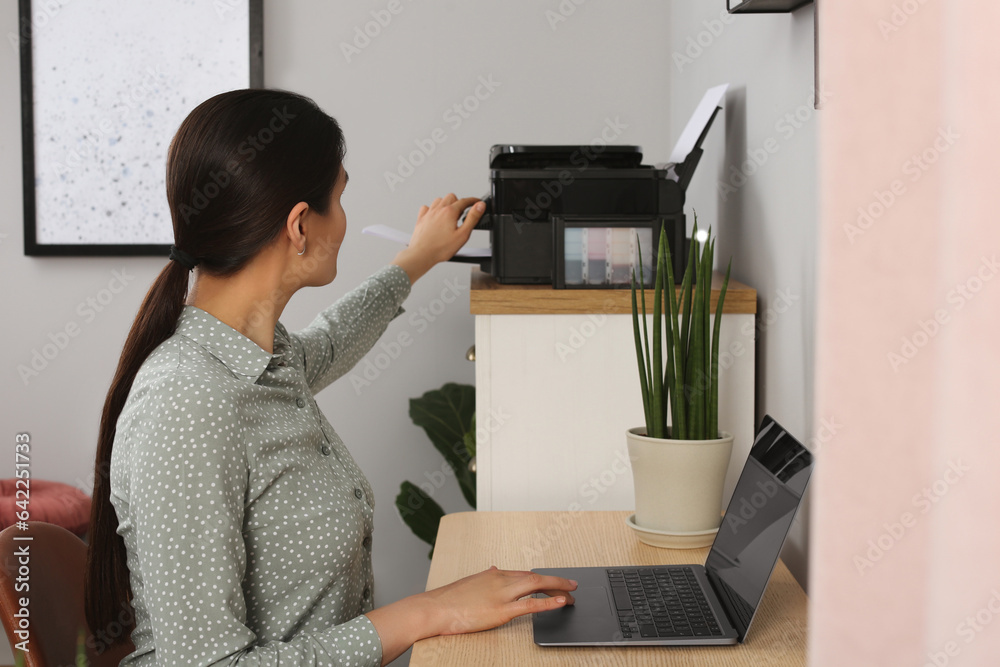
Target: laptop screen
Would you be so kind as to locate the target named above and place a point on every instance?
(757, 520)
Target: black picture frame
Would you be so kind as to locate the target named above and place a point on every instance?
(32, 247)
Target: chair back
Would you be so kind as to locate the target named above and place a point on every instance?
(44, 565)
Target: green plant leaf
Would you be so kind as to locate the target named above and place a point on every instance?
(713, 415)
(707, 324)
(446, 415)
(670, 325)
(645, 334)
(659, 415)
(640, 357)
(695, 363)
(675, 356)
(687, 297)
(419, 511)
(705, 384)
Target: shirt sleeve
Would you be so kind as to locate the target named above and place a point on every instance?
(189, 477)
(343, 333)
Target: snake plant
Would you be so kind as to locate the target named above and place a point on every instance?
(687, 381)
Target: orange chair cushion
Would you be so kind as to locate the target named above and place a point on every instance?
(52, 502)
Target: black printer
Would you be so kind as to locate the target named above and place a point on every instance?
(577, 216)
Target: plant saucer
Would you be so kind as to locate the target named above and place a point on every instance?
(665, 540)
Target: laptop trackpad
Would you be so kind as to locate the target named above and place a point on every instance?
(590, 619)
(590, 601)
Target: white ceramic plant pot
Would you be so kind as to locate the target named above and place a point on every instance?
(678, 483)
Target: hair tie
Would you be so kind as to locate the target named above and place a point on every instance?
(182, 258)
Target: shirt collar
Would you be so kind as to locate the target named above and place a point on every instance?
(238, 353)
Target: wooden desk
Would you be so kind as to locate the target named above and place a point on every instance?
(472, 541)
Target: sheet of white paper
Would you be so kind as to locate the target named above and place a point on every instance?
(689, 137)
(392, 234)
(388, 233)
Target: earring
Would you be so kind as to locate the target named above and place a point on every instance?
(303, 249)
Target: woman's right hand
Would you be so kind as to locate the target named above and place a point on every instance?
(437, 235)
(493, 597)
(477, 602)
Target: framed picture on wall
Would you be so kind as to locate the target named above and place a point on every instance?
(104, 86)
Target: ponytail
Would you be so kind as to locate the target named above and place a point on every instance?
(107, 593)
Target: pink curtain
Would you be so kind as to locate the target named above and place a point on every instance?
(905, 526)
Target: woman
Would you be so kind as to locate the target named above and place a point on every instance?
(228, 515)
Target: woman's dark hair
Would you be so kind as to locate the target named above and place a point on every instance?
(238, 164)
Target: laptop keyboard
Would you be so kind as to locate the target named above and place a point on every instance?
(661, 602)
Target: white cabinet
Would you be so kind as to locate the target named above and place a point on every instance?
(557, 386)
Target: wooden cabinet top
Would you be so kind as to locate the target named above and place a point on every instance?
(488, 297)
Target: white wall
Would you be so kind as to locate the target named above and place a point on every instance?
(559, 82)
(765, 220)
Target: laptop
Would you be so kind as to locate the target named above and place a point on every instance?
(693, 605)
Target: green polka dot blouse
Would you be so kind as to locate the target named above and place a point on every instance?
(247, 523)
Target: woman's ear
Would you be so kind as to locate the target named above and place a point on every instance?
(294, 227)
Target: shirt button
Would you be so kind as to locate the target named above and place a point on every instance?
(367, 542)
(357, 493)
(325, 450)
(366, 592)
(299, 402)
